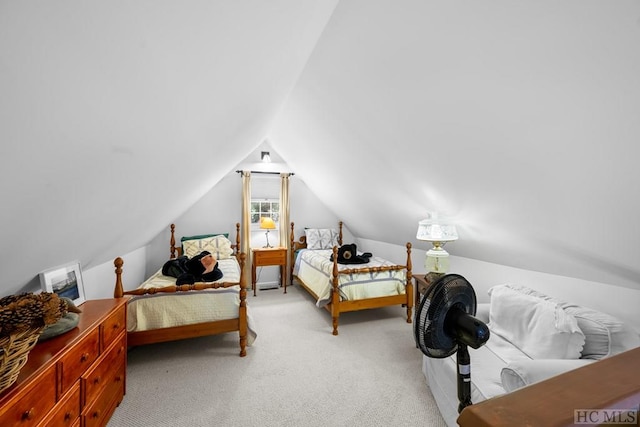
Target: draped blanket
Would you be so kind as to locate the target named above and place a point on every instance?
(314, 268)
(163, 310)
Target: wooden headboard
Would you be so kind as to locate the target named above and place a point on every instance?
(302, 241)
(178, 249)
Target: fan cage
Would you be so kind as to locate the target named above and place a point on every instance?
(430, 334)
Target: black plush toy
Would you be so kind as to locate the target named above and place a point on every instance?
(348, 254)
(201, 268)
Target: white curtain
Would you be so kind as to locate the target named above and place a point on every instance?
(245, 226)
(284, 220)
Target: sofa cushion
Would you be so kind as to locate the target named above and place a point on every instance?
(520, 373)
(539, 328)
(605, 335)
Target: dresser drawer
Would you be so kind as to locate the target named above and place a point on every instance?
(34, 404)
(74, 363)
(66, 413)
(98, 412)
(113, 326)
(270, 257)
(103, 373)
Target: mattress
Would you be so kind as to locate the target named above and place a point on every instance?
(314, 268)
(486, 364)
(164, 310)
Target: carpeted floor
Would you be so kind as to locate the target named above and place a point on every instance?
(295, 374)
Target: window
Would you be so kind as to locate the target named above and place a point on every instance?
(264, 207)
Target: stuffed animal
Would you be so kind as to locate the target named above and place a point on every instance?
(201, 268)
(348, 254)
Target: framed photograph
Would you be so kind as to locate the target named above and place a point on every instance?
(65, 280)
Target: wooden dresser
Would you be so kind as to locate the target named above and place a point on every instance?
(76, 379)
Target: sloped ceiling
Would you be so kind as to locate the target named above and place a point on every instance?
(117, 116)
(517, 119)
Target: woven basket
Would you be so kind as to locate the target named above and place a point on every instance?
(14, 351)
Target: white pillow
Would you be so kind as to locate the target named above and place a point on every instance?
(219, 246)
(518, 374)
(539, 328)
(604, 334)
(321, 238)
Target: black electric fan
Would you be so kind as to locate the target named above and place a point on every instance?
(445, 323)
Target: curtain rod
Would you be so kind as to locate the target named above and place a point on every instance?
(268, 173)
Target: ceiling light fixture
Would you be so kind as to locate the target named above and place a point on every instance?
(266, 158)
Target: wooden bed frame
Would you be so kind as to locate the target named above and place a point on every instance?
(336, 306)
(195, 330)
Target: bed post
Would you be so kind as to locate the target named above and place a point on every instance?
(340, 233)
(409, 287)
(237, 237)
(118, 292)
(242, 310)
(335, 295)
(292, 258)
(172, 241)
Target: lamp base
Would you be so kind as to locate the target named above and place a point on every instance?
(437, 261)
(267, 245)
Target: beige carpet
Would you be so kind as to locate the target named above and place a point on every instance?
(295, 374)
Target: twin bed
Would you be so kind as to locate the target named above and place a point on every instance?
(339, 289)
(160, 311)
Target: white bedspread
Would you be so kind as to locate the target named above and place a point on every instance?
(164, 310)
(314, 268)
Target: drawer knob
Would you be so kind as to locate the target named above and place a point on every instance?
(84, 357)
(28, 415)
(116, 326)
(67, 416)
(96, 414)
(96, 380)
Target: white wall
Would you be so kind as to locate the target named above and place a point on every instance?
(99, 281)
(618, 301)
(220, 209)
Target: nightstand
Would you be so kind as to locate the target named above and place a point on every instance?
(269, 256)
(423, 281)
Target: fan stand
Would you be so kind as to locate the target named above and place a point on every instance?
(445, 324)
(464, 377)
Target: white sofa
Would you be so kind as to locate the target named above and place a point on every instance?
(533, 337)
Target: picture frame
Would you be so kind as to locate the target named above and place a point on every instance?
(64, 280)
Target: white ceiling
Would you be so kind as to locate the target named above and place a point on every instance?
(517, 119)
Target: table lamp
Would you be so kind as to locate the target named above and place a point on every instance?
(266, 223)
(437, 232)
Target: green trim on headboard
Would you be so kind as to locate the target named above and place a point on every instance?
(203, 236)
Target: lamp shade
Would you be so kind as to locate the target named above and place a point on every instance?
(267, 223)
(433, 230)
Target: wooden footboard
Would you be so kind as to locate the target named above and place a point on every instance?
(194, 330)
(336, 306)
